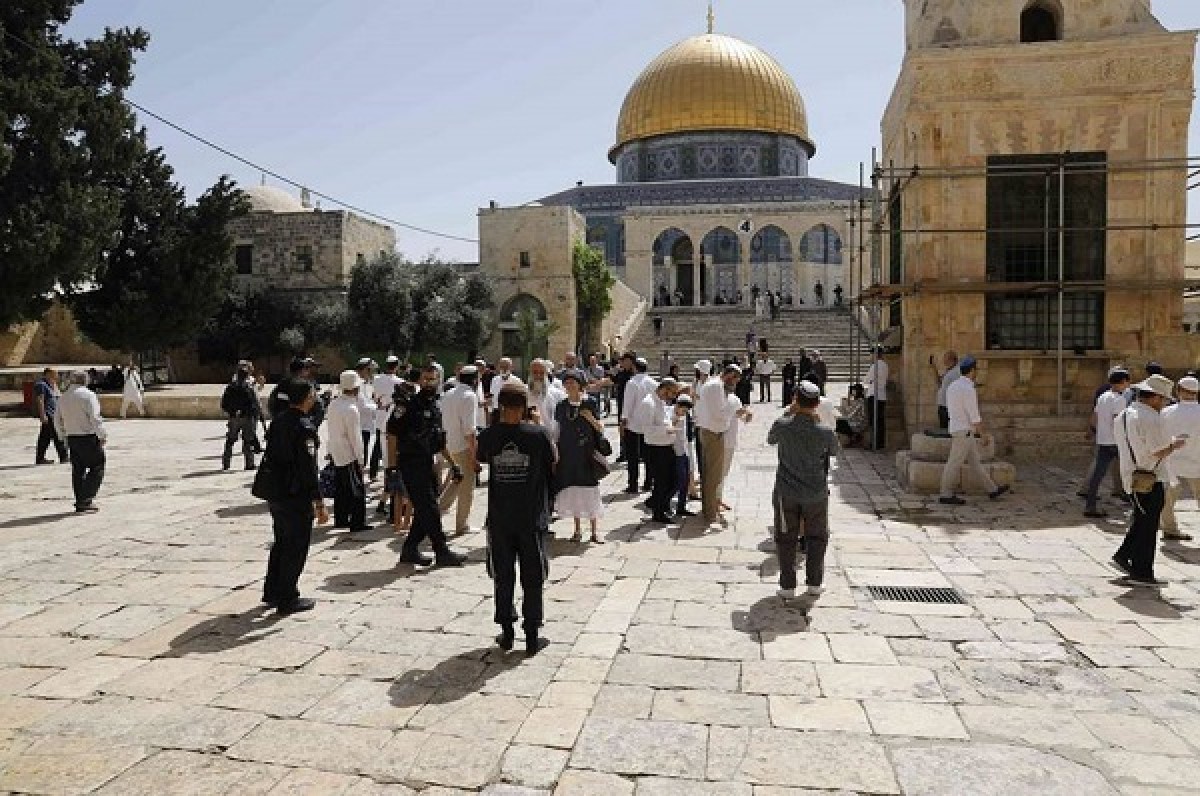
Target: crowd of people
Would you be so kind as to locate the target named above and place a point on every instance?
(763, 302)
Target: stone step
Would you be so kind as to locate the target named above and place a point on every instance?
(925, 478)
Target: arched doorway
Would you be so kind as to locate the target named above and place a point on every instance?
(771, 261)
(674, 273)
(1041, 21)
(524, 330)
(723, 251)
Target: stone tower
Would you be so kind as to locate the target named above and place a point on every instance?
(1001, 106)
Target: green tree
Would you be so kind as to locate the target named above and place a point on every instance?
(66, 139)
(593, 291)
(379, 302)
(533, 336)
(167, 268)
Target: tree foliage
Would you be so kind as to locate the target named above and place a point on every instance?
(593, 289)
(379, 300)
(167, 268)
(66, 139)
(533, 335)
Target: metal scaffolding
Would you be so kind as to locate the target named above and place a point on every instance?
(873, 215)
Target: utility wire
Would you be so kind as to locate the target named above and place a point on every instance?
(246, 161)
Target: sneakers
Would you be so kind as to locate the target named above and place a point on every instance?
(302, 604)
(88, 508)
(416, 558)
(952, 501)
(449, 558)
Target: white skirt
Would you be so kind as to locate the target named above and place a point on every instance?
(580, 501)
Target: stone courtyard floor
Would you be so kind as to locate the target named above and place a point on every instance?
(135, 658)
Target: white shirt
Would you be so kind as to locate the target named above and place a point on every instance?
(1108, 406)
(343, 427)
(877, 378)
(733, 404)
(133, 385)
(79, 413)
(948, 378)
(826, 413)
(962, 402)
(546, 403)
(366, 408)
(458, 416)
(441, 372)
(656, 420)
(681, 441)
(382, 388)
(712, 407)
(497, 382)
(1184, 418)
(1145, 436)
(640, 386)
(764, 367)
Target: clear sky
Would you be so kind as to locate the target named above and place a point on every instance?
(424, 111)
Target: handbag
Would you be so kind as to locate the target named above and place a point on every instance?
(600, 467)
(1143, 480)
(266, 484)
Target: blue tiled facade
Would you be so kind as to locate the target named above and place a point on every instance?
(716, 155)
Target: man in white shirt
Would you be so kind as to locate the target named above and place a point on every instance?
(876, 383)
(765, 368)
(545, 394)
(1143, 445)
(1108, 406)
(383, 387)
(133, 392)
(1182, 420)
(366, 369)
(344, 427)
(503, 374)
(950, 362)
(459, 407)
(659, 433)
(966, 428)
(633, 425)
(78, 422)
(431, 361)
(713, 415)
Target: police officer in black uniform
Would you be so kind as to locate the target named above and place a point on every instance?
(302, 369)
(240, 402)
(288, 480)
(416, 423)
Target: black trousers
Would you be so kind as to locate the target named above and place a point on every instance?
(47, 434)
(427, 516)
(349, 497)
(634, 452)
(878, 423)
(377, 455)
(789, 389)
(660, 465)
(292, 522)
(87, 467)
(764, 389)
(242, 426)
(1142, 537)
(943, 417)
(506, 548)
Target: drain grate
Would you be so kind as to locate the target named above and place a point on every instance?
(917, 594)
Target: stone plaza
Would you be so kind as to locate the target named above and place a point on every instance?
(136, 659)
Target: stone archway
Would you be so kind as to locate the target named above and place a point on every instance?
(674, 277)
(520, 340)
(771, 263)
(720, 259)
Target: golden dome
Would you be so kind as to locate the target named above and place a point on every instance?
(712, 82)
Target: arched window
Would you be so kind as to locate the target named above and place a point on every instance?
(673, 243)
(721, 247)
(1041, 21)
(519, 303)
(771, 245)
(821, 244)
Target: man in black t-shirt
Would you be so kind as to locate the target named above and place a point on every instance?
(520, 459)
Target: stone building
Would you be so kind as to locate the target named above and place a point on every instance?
(1033, 186)
(286, 244)
(713, 196)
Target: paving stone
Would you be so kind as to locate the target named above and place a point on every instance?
(1134, 733)
(556, 727)
(862, 681)
(833, 715)
(17, 712)
(711, 707)
(1095, 633)
(952, 628)
(914, 720)
(486, 716)
(330, 747)
(569, 695)
(993, 770)
(797, 647)
(624, 701)
(172, 725)
(311, 782)
(533, 766)
(1112, 655)
(780, 677)
(666, 672)
(660, 786)
(444, 760)
(578, 782)
(278, 694)
(1039, 726)
(631, 746)
(68, 766)
(829, 761)
(847, 648)
(713, 643)
(370, 703)
(195, 774)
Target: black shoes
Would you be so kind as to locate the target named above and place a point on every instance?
(506, 638)
(450, 559)
(87, 508)
(301, 604)
(251, 467)
(1122, 564)
(952, 501)
(43, 461)
(534, 644)
(1095, 514)
(362, 528)
(662, 517)
(632, 490)
(684, 513)
(1000, 490)
(1145, 580)
(415, 557)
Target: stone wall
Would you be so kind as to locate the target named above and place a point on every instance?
(628, 313)
(968, 23)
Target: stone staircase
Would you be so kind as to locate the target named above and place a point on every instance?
(692, 333)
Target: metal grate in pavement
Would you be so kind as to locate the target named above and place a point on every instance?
(916, 594)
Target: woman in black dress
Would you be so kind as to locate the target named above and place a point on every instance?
(580, 437)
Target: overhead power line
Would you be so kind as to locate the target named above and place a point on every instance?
(271, 172)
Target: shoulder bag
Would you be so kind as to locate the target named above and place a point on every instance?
(1143, 480)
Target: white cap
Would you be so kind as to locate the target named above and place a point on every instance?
(349, 380)
(703, 365)
(1157, 384)
(1189, 383)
